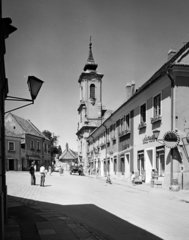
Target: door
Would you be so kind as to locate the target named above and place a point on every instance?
(11, 164)
(127, 165)
(115, 166)
(161, 165)
(122, 166)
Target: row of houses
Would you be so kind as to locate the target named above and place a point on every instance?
(131, 138)
(25, 143)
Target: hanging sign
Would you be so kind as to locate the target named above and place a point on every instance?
(182, 168)
(171, 139)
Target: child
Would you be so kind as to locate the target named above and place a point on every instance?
(133, 178)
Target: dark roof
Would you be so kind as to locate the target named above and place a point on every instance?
(160, 72)
(68, 154)
(90, 64)
(28, 126)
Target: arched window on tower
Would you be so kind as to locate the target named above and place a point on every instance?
(92, 91)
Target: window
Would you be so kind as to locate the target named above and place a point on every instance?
(143, 113)
(92, 91)
(113, 131)
(32, 145)
(11, 146)
(80, 117)
(38, 146)
(122, 125)
(108, 134)
(127, 122)
(45, 147)
(157, 106)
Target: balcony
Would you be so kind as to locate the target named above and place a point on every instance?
(142, 125)
(124, 132)
(156, 119)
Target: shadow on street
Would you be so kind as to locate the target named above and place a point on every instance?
(100, 221)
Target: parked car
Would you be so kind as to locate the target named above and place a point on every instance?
(56, 169)
(76, 169)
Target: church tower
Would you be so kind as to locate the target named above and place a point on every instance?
(90, 105)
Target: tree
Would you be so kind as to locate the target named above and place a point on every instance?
(54, 141)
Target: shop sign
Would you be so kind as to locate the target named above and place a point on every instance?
(171, 139)
(148, 139)
(34, 157)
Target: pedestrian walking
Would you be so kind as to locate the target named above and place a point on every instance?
(97, 172)
(42, 172)
(50, 170)
(133, 178)
(32, 173)
(61, 170)
(108, 179)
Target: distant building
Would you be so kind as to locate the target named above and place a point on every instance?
(35, 146)
(67, 158)
(13, 151)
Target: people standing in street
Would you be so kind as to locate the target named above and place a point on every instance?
(133, 178)
(61, 170)
(32, 172)
(42, 172)
(50, 170)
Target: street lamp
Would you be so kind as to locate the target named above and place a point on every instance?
(156, 134)
(34, 85)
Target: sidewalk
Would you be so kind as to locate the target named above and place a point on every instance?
(27, 221)
(182, 195)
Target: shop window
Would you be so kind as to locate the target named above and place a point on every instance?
(92, 91)
(157, 106)
(143, 113)
(160, 164)
(11, 146)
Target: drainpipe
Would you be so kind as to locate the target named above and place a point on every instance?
(106, 147)
(172, 121)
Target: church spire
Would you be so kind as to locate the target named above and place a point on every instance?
(90, 64)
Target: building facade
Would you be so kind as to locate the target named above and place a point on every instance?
(13, 151)
(35, 146)
(131, 139)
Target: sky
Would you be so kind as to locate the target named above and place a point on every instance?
(130, 42)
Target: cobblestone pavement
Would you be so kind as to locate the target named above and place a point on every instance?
(29, 222)
(34, 212)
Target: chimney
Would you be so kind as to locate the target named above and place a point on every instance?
(132, 87)
(171, 53)
(128, 91)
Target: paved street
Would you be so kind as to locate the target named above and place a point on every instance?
(119, 211)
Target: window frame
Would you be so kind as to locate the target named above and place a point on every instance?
(141, 117)
(9, 149)
(31, 144)
(92, 91)
(155, 115)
